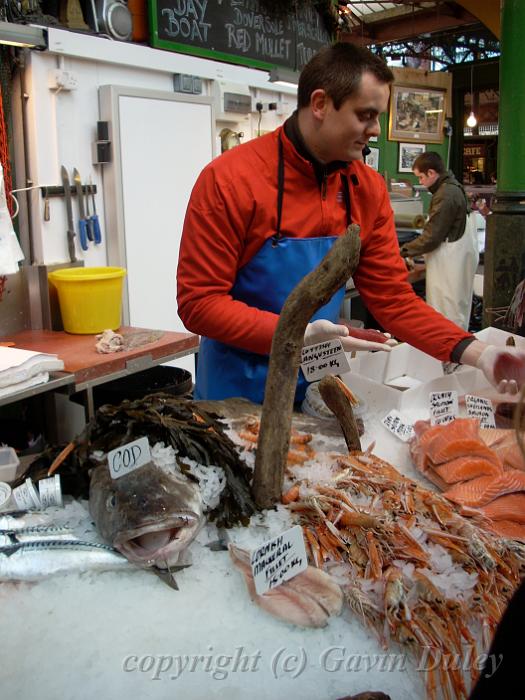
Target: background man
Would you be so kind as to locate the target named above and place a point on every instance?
(449, 241)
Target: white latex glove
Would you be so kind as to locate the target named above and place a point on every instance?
(504, 367)
(322, 330)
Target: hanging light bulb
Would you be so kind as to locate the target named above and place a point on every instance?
(471, 119)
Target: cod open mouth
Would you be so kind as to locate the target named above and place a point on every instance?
(150, 541)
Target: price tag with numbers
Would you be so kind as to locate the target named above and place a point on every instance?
(322, 359)
(278, 560)
(398, 426)
(443, 407)
(479, 407)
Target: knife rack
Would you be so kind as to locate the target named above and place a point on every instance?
(58, 190)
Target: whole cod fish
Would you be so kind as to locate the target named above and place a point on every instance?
(148, 515)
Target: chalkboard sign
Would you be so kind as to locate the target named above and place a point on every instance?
(237, 31)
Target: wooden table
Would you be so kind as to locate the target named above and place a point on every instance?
(91, 368)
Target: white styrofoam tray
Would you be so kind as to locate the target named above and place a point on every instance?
(371, 376)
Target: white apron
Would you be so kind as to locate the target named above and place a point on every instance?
(450, 271)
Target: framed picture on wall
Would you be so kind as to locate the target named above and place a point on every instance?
(372, 159)
(408, 152)
(417, 114)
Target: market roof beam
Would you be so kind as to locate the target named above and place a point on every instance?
(398, 29)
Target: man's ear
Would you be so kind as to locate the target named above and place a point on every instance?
(319, 103)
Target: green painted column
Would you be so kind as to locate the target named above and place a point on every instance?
(511, 141)
(505, 235)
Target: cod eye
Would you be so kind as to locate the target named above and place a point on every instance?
(111, 501)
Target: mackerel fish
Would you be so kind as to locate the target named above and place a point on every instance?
(37, 559)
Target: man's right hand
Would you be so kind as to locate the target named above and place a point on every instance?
(322, 330)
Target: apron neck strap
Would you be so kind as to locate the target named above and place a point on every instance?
(280, 193)
(280, 190)
(346, 196)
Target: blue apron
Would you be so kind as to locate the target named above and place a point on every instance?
(265, 282)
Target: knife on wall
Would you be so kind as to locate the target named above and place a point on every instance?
(69, 209)
(82, 219)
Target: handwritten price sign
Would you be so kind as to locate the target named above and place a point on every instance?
(398, 426)
(278, 560)
(478, 407)
(322, 359)
(443, 407)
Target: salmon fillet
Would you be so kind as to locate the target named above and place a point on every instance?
(513, 457)
(509, 529)
(421, 427)
(431, 474)
(509, 507)
(458, 439)
(464, 468)
(496, 436)
(505, 445)
(484, 489)
(424, 432)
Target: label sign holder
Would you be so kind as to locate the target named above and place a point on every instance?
(323, 358)
(128, 457)
(398, 426)
(480, 407)
(443, 407)
(279, 559)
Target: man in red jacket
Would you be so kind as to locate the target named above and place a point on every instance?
(265, 213)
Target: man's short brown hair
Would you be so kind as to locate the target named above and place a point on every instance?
(429, 161)
(337, 70)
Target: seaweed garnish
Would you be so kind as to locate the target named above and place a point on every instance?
(193, 433)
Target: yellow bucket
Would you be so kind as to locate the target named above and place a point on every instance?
(90, 298)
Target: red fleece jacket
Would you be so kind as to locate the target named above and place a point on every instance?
(233, 210)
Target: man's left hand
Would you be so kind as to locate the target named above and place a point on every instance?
(503, 366)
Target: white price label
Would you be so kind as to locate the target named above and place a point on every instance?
(443, 407)
(323, 358)
(479, 407)
(397, 425)
(127, 458)
(278, 560)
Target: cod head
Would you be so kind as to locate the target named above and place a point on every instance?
(150, 516)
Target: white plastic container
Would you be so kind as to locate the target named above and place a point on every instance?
(9, 463)
(26, 496)
(50, 492)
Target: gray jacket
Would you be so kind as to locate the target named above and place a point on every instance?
(447, 217)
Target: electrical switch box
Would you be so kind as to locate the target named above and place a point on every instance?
(60, 79)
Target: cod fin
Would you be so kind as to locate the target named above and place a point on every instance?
(168, 574)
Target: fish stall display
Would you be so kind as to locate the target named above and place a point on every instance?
(418, 570)
(150, 515)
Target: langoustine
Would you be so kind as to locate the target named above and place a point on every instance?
(412, 567)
